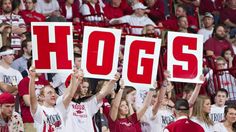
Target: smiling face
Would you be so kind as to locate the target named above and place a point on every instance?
(231, 115)
(123, 108)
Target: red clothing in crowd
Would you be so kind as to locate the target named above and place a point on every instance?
(228, 13)
(210, 6)
(186, 126)
(130, 124)
(116, 11)
(23, 89)
(217, 46)
(172, 23)
(31, 16)
(157, 11)
(75, 11)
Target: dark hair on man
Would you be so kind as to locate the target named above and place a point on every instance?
(223, 91)
(5, 48)
(76, 55)
(24, 44)
(29, 62)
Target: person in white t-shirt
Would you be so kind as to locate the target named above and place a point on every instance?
(51, 115)
(217, 109)
(80, 113)
(138, 18)
(48, 8)
(207, 30)
(9, 77)
(229, 124)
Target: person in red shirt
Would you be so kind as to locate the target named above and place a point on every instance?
(228, 17)
(23, 89)
(30, 15)
(183, 123)
(217, 44)
(122, 118)
(172, 23)
(212, 6)
(70, 11)
(155, 10)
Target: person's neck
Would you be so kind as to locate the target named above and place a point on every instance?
(183, 30)
(209, 28)
(68, 4)
(219, 105)
(115, 5)
(47, 105)
(122, 116)
(4, 117)
(228, 124)
(4, 64)
(7, 14)
(27, 56)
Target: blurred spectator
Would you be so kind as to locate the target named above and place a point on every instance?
(228, 17)
(217, 109)
(92, 11)
(10, 121)
(20, 64)
(155, 10)
(212, 6)
(208, 26)
(30, 15)
(201, 110)
(217, 44)
(138, 18)
(5, 30)
(23, 90)
(172, 23)
(226, 80)
(9, 77)
(16, 6)
(70, 11)
(229, 57)
(48, 8)
(229, 124)
(183, 24)
(118, 8)
(16, 22)
(191, 6)
(149, 31)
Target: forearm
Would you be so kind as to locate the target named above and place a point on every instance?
(33, 98)
(146, 103)
(115, 104)
(8, 88)
(18, 30)
(194, 95)
(105, 90)
(159, 100)
(229, 23)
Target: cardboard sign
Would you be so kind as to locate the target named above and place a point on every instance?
(52, 47)
(141, 61)
(184, 59)
(100, 52)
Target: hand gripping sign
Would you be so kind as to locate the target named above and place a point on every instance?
(100, 52)
(185, 53)
(141, 61)
(52, 47)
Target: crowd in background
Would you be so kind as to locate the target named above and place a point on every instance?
(61, 102)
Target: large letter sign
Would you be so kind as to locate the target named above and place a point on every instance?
(185, 52)
(100, 52)
(52, 47)
(141, 61)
